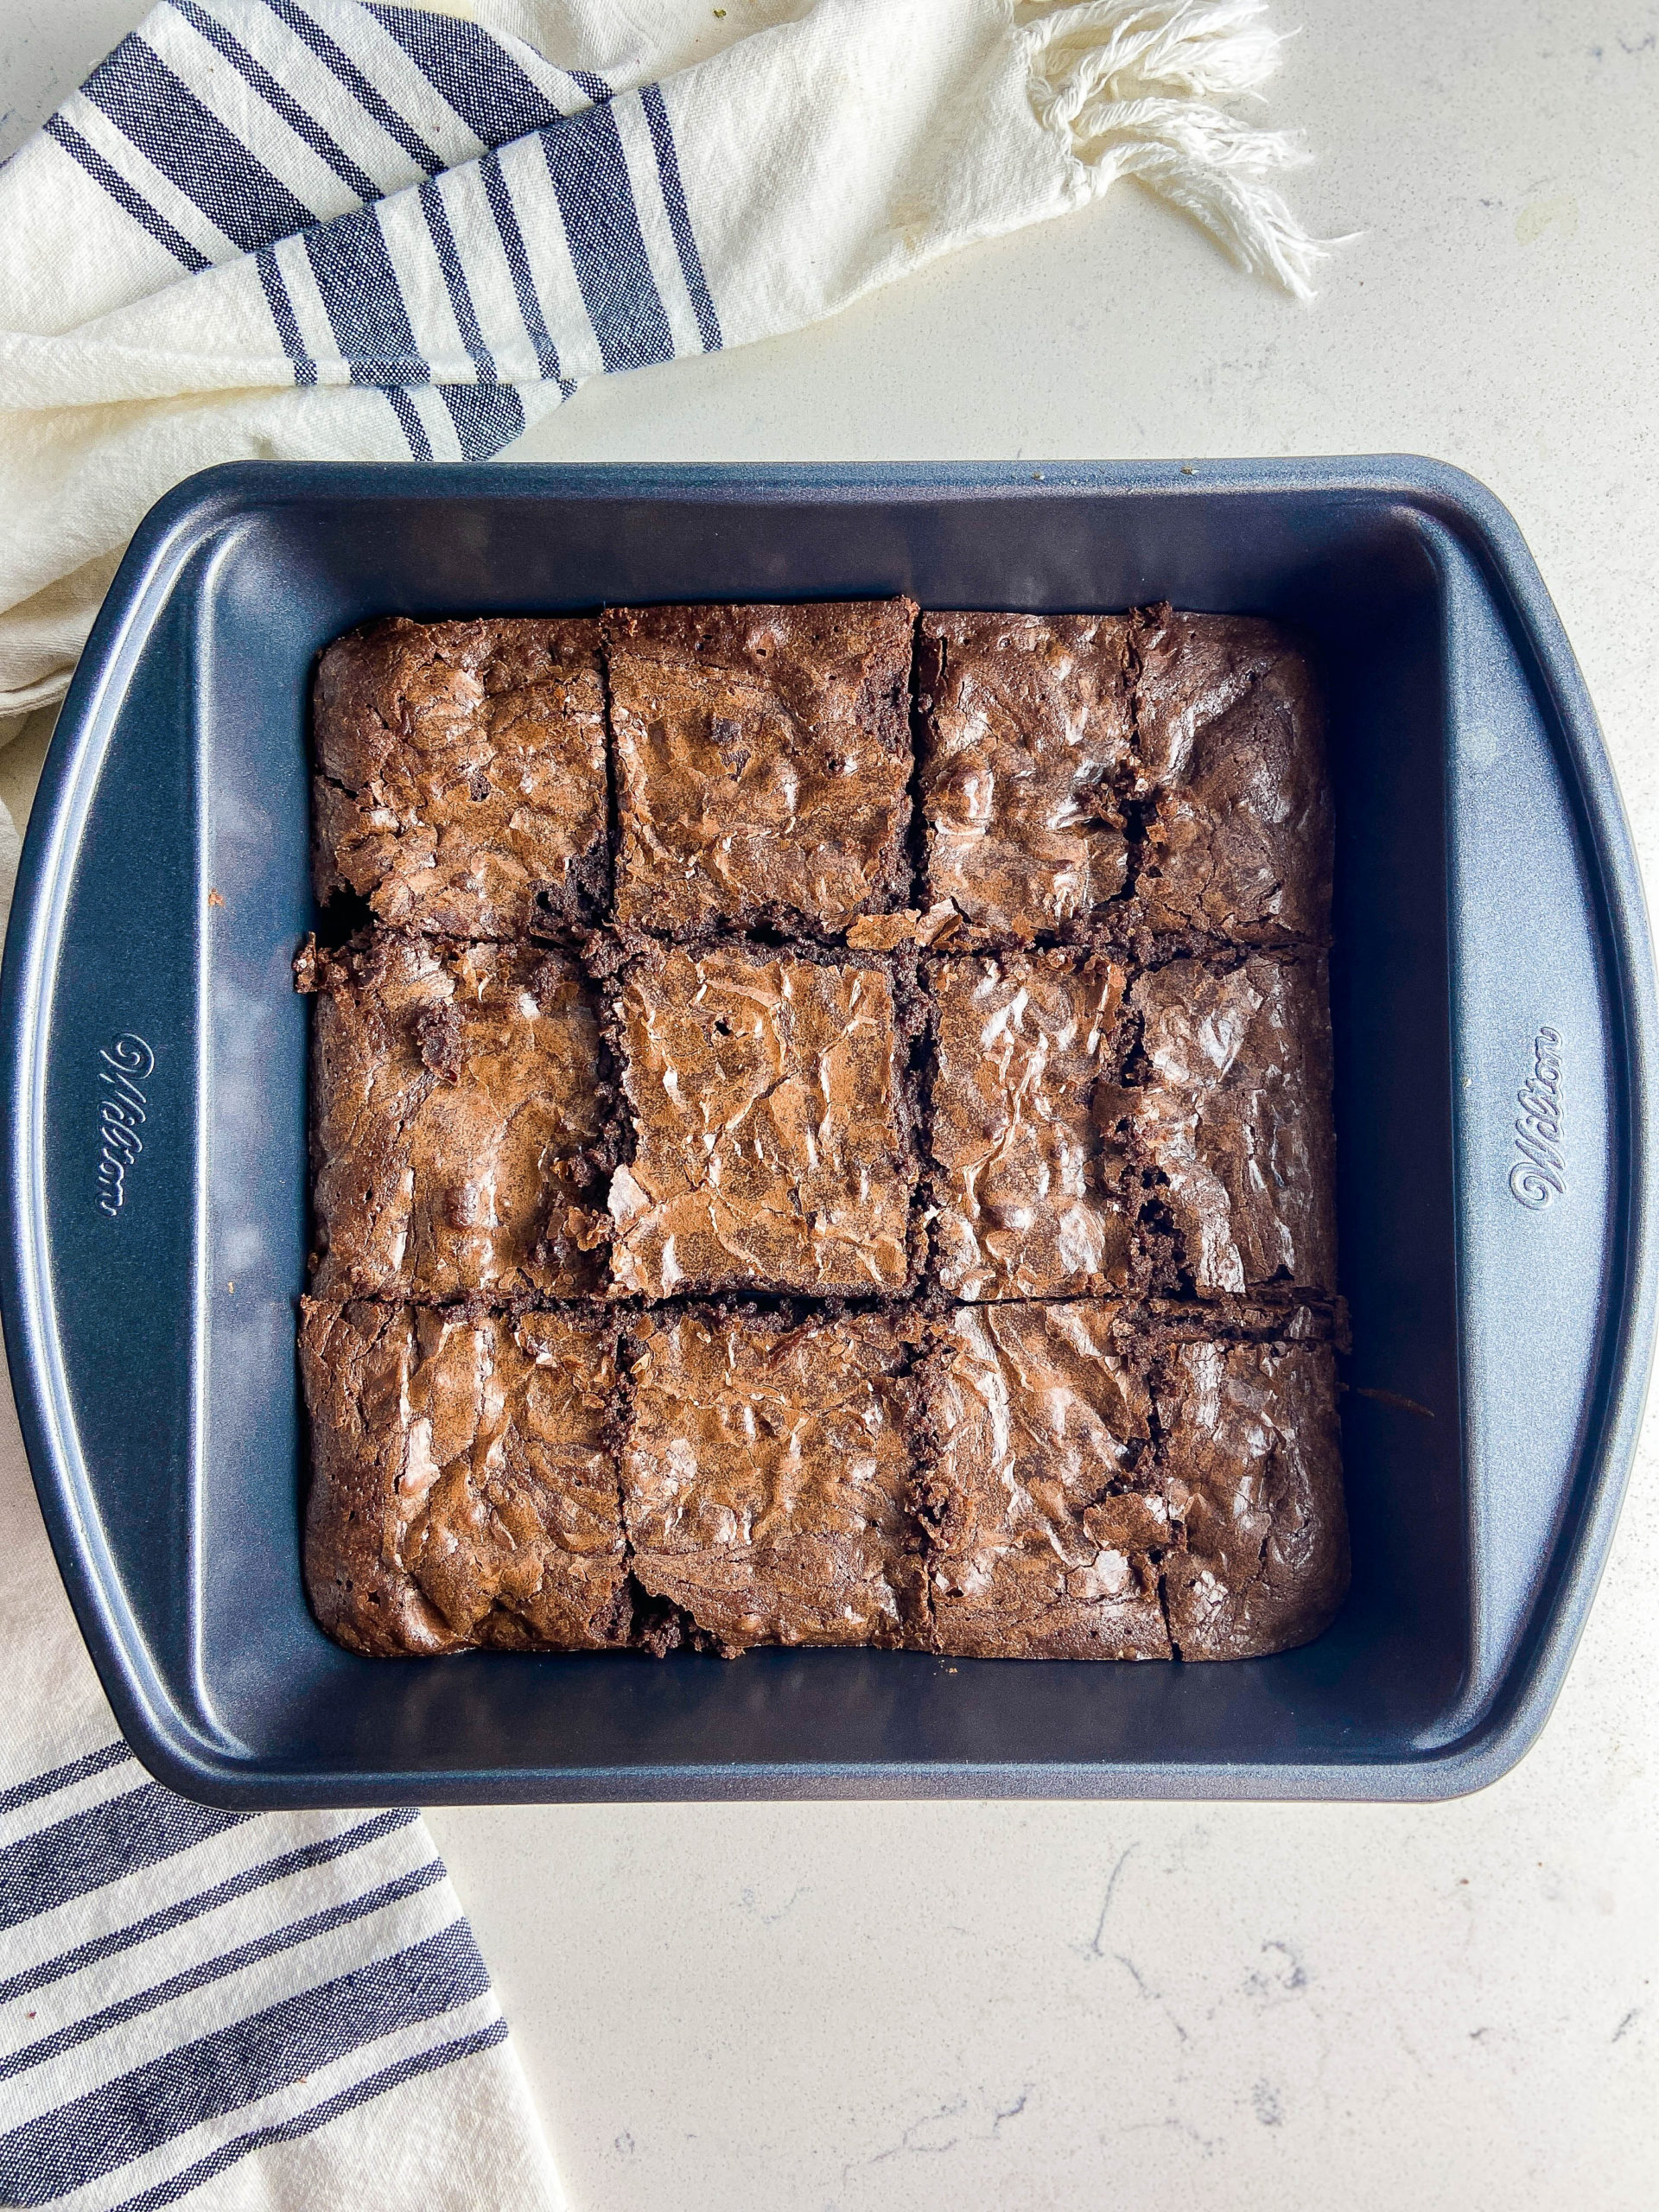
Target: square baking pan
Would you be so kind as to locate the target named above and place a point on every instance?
(1493, 1003)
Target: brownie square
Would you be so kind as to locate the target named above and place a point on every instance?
(1028, 731)
(1231, 771)
(1226, 1139)
(762, 765)
(1021, 1206)
(464, 1486)
(765, 1473)
(1253, 1480)
(767, 1092)
(1044, 1502)
(457, 1108)
(462, 784)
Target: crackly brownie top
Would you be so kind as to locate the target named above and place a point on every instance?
(465, 1488)
(1029, 732)
(1253, 1480)
(1019, 1042)
(463, 784)
(765, 1473)
(456, 1094)
(1229, 756)
(763, 763)
(1229, 1124)
(768, 1097)
(1044, 1501)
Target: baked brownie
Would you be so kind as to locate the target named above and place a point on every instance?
(1225, 1139)
(1029, 732)
(456, 1107)
(762, 764)
(464, 1483)
(1252, 1471)
(1022, 1208)
(768, 1097)
(765, 1473)
(1229, 769)
(1044, 1504)
(462, 786)
(1109, 1484)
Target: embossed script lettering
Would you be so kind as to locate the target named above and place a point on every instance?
(1539, 1177)
(122, 1112)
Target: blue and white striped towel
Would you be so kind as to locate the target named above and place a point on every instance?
(285, 2011)
(342, 229)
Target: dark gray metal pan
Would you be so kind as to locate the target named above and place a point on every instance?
(1494, 1009)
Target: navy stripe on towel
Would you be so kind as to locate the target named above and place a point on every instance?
(342, 64)
(486, 417)
(102, 1845)
(517, 260)
(303, 125)
(364, 300)
(408, 421)
(601, 227)
(259, 1877)
(455, 280)
(282, 315)
(124, 2118)
(193, 150)
(476, 75)
(679, 218)
(129, 201)
(306, 2123)
(61, 1777)
(222, 1963)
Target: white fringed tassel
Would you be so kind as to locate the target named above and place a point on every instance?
(1131, 88)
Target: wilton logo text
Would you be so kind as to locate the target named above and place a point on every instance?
(122, 1112)
(1539, 1177)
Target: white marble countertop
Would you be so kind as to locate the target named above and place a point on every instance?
(791, 2008)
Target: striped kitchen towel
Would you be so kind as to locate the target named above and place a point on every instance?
(343, 229)
(279, 2011)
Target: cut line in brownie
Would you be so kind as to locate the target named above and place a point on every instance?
(768, 1101)
(462, 784)
(763, 765)
(1099, 1490)
(459, 1118)
(1094, 1131)
(464, 1480)
(765, 1478)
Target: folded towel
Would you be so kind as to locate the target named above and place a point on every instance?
(317, 229)
(285, 2011)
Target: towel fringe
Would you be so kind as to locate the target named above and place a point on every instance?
(1128, 84)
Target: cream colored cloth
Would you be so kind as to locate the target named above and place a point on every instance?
(361, 232)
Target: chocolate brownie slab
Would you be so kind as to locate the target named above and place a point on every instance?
(1044, 1503)
(768, 1094)
(1023, 1206)
(1225, 1139)
(1107, 1483)
(768, 1461)
(1028, 732)
(462, 783)
(456, 1101)
(762, 765)
(464, 1482)
(1252, 1476)
(1231, 772)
